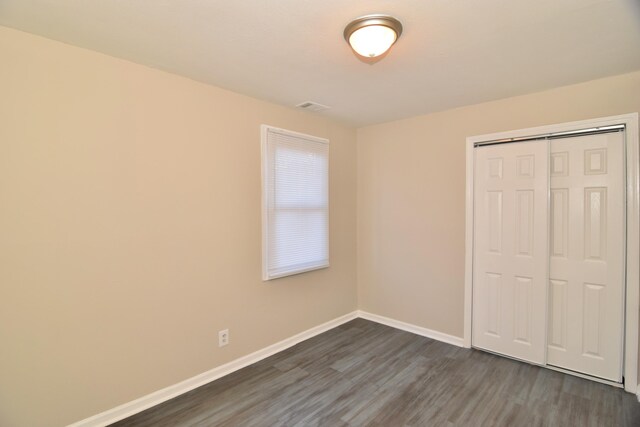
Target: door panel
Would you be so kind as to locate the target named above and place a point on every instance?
(586, 267)
(511, 249)
(558, 313)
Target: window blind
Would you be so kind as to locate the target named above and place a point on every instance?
(295, 202)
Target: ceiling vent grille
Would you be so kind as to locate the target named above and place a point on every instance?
(312, 106)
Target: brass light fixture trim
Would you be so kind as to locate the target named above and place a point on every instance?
(376, 20)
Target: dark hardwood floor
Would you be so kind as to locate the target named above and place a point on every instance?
(366, 374)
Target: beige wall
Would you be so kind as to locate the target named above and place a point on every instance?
(130, 231)
(411, 195)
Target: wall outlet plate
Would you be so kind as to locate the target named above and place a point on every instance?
(223, 338)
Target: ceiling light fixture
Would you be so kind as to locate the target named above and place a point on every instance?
(372, 35)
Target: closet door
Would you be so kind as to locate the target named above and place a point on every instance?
(586, 284)
(511, 249)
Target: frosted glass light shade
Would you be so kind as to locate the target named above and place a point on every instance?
(372, 35)
(373, 40)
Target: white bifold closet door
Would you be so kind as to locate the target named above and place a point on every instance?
(586, 270)
(511, 249)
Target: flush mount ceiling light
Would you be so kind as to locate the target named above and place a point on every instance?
(372, 35)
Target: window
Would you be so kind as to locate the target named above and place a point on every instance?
(295, 203)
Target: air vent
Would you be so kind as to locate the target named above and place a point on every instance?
(312, 106)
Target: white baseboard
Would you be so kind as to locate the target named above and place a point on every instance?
(418, 330)
(130, 408)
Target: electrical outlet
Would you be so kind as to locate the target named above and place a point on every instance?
(223, 338)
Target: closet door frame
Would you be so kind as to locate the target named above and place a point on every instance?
(632, 268)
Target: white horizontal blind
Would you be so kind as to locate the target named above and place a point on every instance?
(295, 196)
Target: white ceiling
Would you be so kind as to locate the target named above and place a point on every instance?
(452, 52)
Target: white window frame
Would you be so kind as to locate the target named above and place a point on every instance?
(266, 230)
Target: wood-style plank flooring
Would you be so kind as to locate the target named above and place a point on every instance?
(366, 374)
